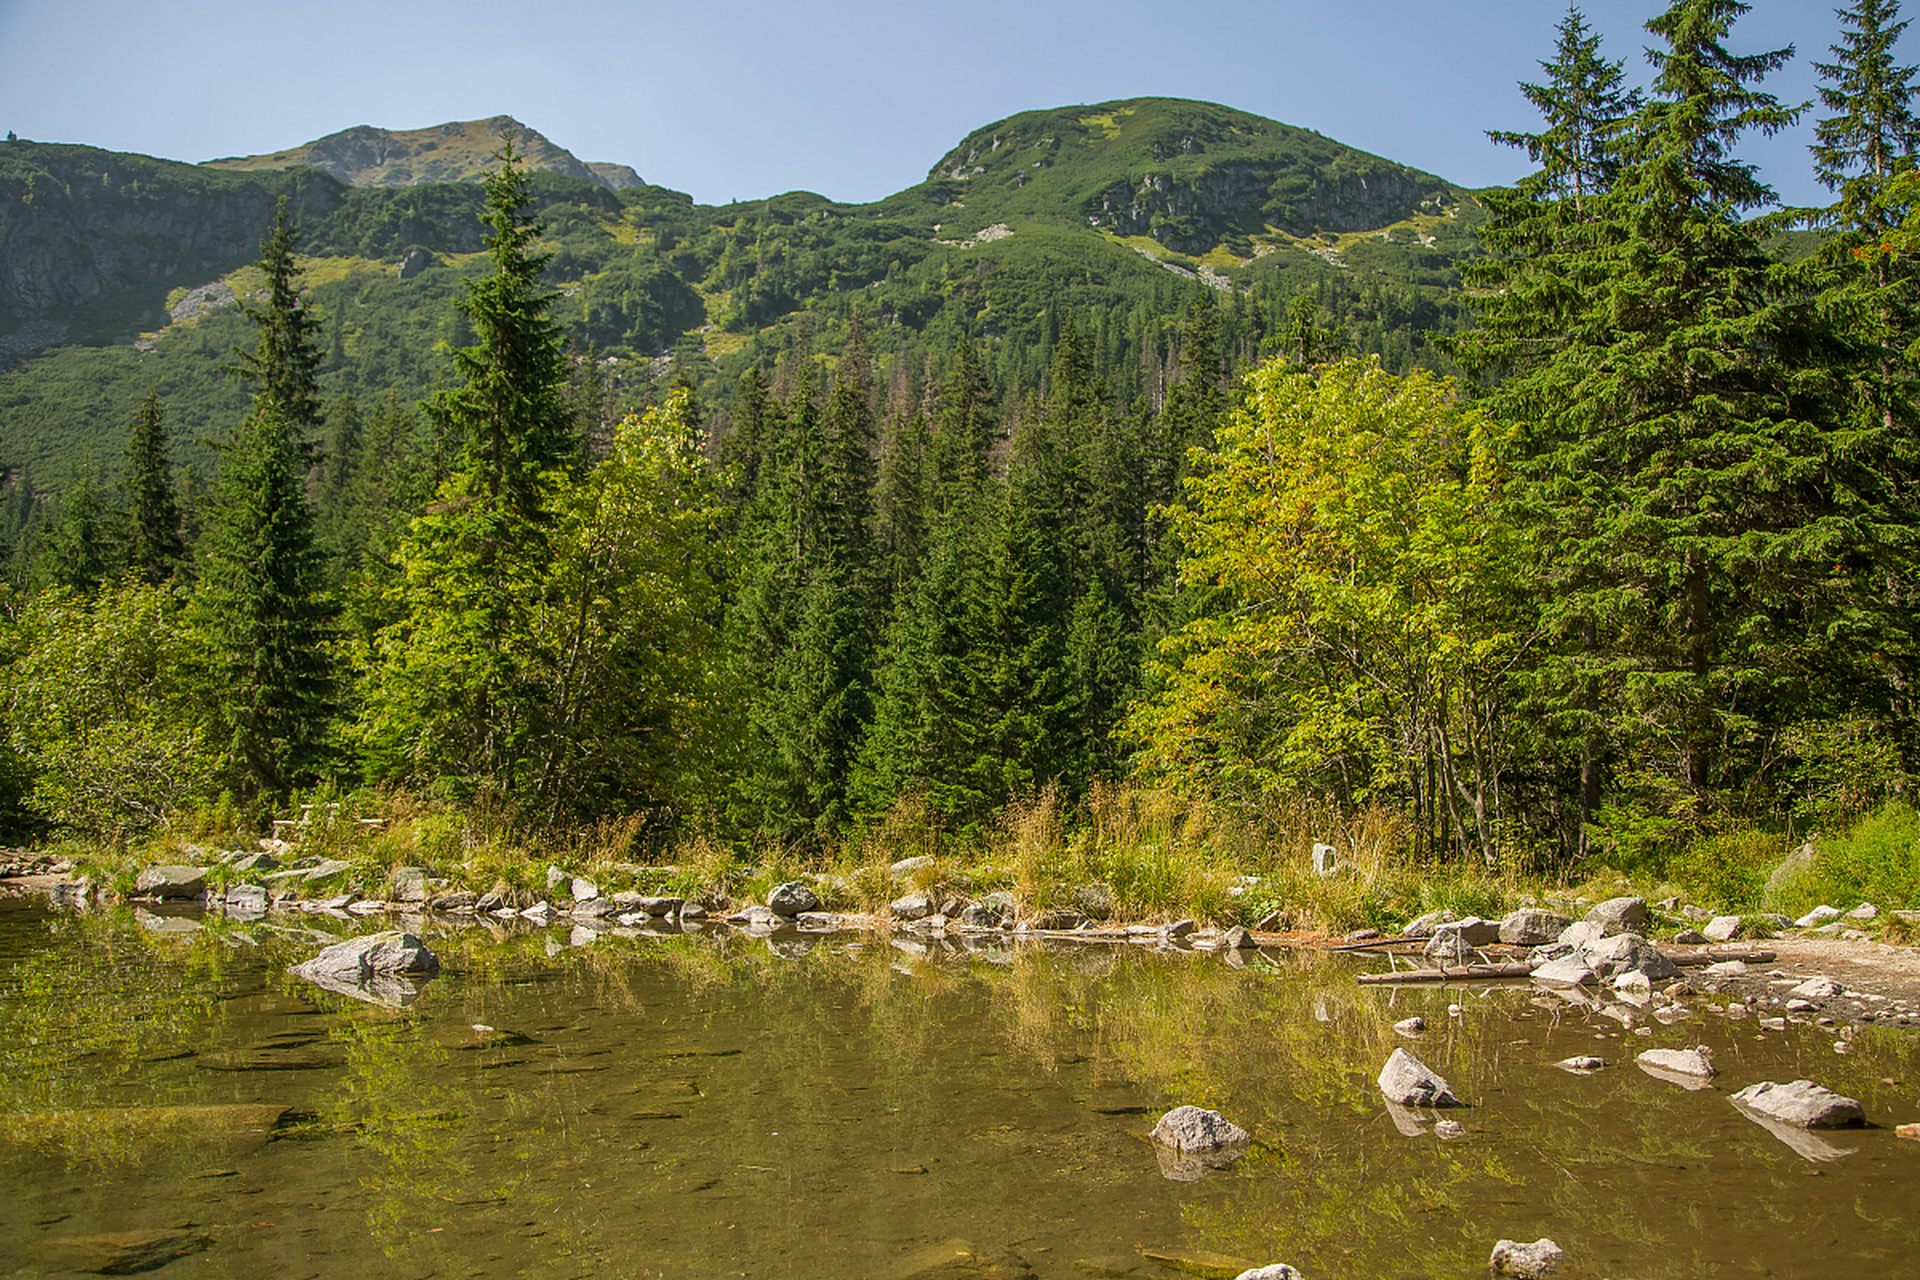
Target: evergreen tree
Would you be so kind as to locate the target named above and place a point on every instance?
(1869, 139)
(78, 550)
(451, 701)
(261, 598)
(154, 545)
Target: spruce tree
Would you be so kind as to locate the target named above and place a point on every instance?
(154, 545)
(261, 598)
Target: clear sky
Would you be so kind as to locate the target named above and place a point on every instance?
(854, 99)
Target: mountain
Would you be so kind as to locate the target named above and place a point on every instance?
(119, 273)
(461, 151)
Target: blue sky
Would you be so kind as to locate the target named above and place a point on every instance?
(851, 98)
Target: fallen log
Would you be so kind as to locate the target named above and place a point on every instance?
(1494, 972)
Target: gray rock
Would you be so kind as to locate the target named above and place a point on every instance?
(912, 906)
(1195, 1129)
(388, 952)
(253, 863)
(662, 908)
(247, 898)
(1238, 939)
(757, 917)
(1180, 929)
(1565, 973)
(1817, 917)
(416, 261)
(583, 889)
(1094, 901)
(1447, 948)
(1817, 988)
(1411, 1026)
(1696, 914)
(1685, 1062)
(999, 901)
(1579, 934)
(463, 902)
(556, 877)
(1361, 935)
(1769, 922)
(1327, 860)
(907, 866)
(540, 913)
(1409, 1082)
(410, 884)
(793, 897)
(1532, 927)
(1477, 932)
(691, 911)
(1582, 1064)
(1690, 938)
(1722, 928)
(1629, 953)
(1449, 1130)
(978, 915)
(1865, 911)
(1533, 1261)
(172, 882)
(1619, 915)
(1424, 926)
(594, 909)
(1272, 1271)
(1803, 1104)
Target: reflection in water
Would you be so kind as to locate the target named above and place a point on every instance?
(845, 1106)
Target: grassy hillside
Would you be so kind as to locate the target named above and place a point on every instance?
(460, 151)
(1118, 214)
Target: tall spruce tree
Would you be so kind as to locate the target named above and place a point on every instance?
(261, 598)
(1672, 390)
(449, 702)
(154, 545)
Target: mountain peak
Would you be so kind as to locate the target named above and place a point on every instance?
(458, 151)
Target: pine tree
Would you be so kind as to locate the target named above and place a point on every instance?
(78, 551)
(154, 545)
(449, 702)
(1672, 388)
(261, 598)
(1869, 140)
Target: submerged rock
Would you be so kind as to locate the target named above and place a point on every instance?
(1195, 1129)
(1582, 1065)
(1802, 1103)
(375, 968)
(118, 1253)
(1272, 1271)
(1532, 1261)
(1411, 1083)
(1411, 1026)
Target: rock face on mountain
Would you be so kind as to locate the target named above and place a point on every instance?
(77, 222)
(1189, 174)
(459, 151)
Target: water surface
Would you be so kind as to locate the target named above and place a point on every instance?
(723, 1105)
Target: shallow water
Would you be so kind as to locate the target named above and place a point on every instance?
(721, 1105)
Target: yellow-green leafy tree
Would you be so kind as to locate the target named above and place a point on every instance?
(1352, 526)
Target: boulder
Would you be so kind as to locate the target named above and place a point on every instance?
(1272, 1271)
(1619, 915)
(1532, 1261)
(388, 952)
(1816, 988)
(1802, 1104)
(1180, 929)
(254, 863)
(1409, 1082)
(793, 897)
(907, 866)
(172, 882)
(1685, 1062)
(461, 902)
(1447, 948)
(1690, 938)
(1722, 928)
(1411, 1026)
(1865, 911)
(1582, 1065)
(1238, 939)
(1424, 926)
(583, 889)
(594, 909)
(911, 906)
(557, 877)
(410, 884)
(1629, 953)
(1579, 934)
(247, 898)
(1195, 1129)
(540, 913)
(1817, 917)
(978, 915)
(1565, 973)
(1532, 927)
(661, 908)
(1477, 932)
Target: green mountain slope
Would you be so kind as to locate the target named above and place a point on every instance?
(119, 273)
(460, 151)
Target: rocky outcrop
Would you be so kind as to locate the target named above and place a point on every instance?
(458, 151)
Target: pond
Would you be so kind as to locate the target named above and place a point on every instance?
(854, 1105)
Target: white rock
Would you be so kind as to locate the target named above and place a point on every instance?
(1568, 972)
(1817, 916)
(1585, 1064)
(1725, 969)
(1817, 988)
(1411, 1026)
(1721, 928)
(1865, 911)
(1686, 1062)
(1803, 1104)
(1532, 1261)
(1196, 1129)
(1411, 1083)
(1272, 1271)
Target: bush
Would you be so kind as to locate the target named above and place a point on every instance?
(1877, 860)
(1727, 870)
